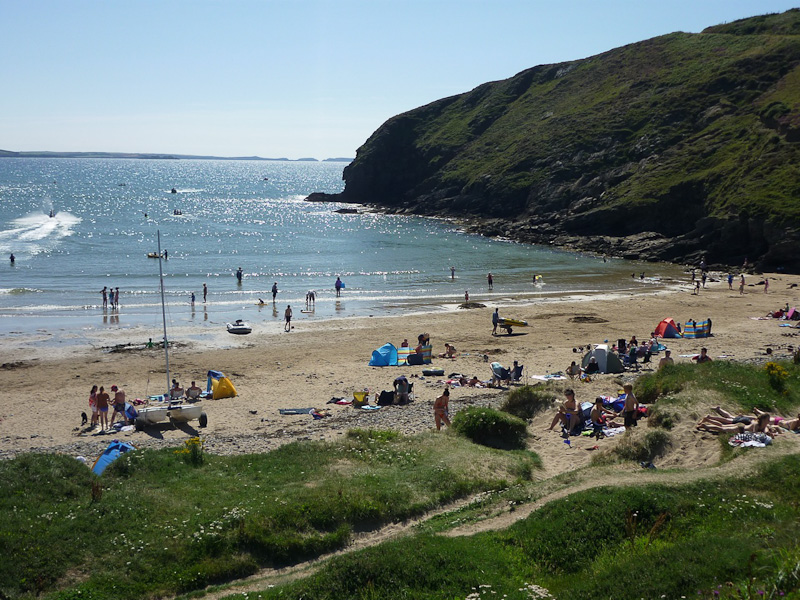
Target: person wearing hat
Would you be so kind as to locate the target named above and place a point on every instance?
(119, 405)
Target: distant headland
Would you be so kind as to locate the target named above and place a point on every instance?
(153, 156)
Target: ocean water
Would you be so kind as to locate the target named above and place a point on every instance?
(248, 214)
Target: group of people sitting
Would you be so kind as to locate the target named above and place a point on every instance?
(176, 392)
(572, 418)
(501, 375)
(759, 422)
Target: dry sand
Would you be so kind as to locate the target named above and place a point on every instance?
(45, 391)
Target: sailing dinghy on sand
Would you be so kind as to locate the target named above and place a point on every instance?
(171, 406)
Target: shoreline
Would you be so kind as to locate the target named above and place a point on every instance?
(320, 360)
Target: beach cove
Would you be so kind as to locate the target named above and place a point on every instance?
(320, 360)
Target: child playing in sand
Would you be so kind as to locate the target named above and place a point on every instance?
(631, 406)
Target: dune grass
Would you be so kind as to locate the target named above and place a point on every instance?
(159, 524)
(774, 387)
(737, 539)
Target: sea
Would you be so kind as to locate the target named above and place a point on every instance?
(108, 215)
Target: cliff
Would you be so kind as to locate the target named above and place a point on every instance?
(677, 147)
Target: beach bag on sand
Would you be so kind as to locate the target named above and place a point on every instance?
(360, 399)
(386, 398)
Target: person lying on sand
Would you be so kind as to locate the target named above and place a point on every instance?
(760, 426)
(726, 418)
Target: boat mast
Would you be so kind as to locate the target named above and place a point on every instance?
(163, 310)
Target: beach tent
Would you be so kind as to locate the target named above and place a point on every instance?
(608, 361)
(220, 386)
(385, 356)
(667, 329)
(112, 453)
(700, 329)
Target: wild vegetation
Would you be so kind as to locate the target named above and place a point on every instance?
(692, 138)
(170, 522)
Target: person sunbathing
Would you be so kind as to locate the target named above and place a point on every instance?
(573, 370)
(726, 418)
(568, 413)
(760, 426)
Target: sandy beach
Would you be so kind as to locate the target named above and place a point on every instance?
(46, 389)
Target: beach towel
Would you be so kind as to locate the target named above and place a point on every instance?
(369, 407)
(749, 439)
(551, 377)
(296, 411)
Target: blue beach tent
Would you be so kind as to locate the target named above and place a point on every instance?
(385, 356)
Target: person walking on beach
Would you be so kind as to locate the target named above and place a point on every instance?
(766, 284)
(287, 315)
(490, 281)
(441, 406)
(205, 292)
(274, 291)
(730, 281)
(102, 407)
(741, 285)
(239, 275)
(495, 320)
(338, 286)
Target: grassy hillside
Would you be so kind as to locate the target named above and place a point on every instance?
(170, 522)
(692, 136)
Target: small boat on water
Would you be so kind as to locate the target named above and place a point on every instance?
(239, 327)
(153, 255)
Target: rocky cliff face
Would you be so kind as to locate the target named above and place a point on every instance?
(673, 148)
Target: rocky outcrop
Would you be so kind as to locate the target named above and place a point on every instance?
(674, 148)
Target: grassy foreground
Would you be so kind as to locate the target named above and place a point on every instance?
(166, 522)
(737, 539)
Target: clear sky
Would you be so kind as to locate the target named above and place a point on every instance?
(293, 78)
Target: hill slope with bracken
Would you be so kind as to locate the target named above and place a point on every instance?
(677, 147)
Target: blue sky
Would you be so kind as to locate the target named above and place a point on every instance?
(294, 78)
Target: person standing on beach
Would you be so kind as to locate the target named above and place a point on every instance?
(239, 275)
(102, 407)
(105, 296)
(631, 407)
(12, 258)
(338, 286)
(274, 291)
(490, 281)
(766, 284)
(205, 292)
(93, 404)
(116, 298)
(441, 407)
(495, 320)
(466, 296)
(730, 281)
(741, 284)
(192, 298)
(119, 405)
(287, 315)
(452, 272)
